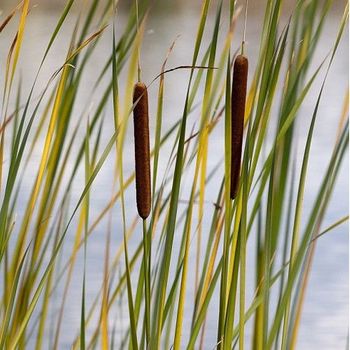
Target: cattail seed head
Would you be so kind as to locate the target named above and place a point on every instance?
(142, 150)
(238, 98)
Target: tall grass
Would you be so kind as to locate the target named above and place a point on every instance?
(151, 270)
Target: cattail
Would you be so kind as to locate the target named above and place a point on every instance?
(238, 97)
(142, 152)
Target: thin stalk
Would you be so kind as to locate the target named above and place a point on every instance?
(147, 277)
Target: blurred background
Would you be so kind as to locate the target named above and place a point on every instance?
(56, 4)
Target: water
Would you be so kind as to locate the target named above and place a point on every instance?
(324, 322)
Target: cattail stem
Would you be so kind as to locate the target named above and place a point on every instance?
(147, 277)
(142, 150)
(238, 98)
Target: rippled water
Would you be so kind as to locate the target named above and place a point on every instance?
(324, 322)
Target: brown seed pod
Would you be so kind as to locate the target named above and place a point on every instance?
(142, 151)
(238, 97)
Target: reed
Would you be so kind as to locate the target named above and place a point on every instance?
(238, 101)
(142, 150)
(166, 291)
(143, 186)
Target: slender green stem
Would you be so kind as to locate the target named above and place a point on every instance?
(147, 275)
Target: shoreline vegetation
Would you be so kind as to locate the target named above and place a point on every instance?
(261, 196)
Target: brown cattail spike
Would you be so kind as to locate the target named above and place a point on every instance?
(239, 91)
(142, 151)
